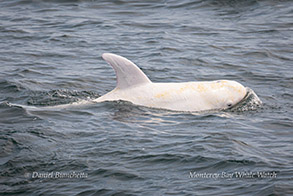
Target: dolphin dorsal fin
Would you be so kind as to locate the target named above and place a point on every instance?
(127, 73)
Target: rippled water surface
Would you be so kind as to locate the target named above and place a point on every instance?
(50, 55)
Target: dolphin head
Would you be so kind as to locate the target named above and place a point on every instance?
(229, 94)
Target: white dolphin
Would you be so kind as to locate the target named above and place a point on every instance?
(134, 86)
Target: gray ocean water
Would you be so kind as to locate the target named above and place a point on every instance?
(50, 54)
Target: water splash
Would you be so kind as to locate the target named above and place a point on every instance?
(250, 102)
(59, 97)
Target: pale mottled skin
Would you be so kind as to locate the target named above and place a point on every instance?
(134, 86)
